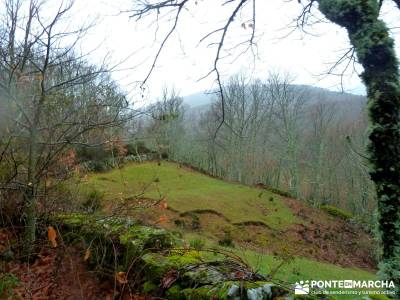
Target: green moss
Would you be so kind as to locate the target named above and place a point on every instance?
(135, 237)
(336, 212)
(156, 264)
(138, 238)
(184, 258)
(95, 223)
(201, 276)
(114, 238)
(149, 287)
(175, 293)
(74, 219)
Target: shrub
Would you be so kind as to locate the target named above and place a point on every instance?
(96, 153)
(96, 166)
(100, 158)
(226, 240)
(93, 200)
(197, 244)
(195, 222)
(336, 212)
(180, 223)
(137, 148)
(280, 192)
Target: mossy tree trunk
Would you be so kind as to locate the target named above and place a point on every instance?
(375, 51)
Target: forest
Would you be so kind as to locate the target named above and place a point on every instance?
(259, 187)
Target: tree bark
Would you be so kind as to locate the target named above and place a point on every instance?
(376, 53)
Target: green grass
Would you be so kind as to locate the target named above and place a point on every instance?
(305, 269)
(186, 190)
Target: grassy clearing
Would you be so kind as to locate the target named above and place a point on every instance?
(186, 190)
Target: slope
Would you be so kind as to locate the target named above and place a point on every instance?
(263, 227)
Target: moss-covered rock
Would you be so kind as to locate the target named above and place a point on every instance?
(111, 239)
(156, 265)
(149, 250)
(139, 238)
(199, 279)
(128, 232)
(202, 275)
(235, 290)
(97, 224)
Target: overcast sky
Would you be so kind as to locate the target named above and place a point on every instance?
(184, 61)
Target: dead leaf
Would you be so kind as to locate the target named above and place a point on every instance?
(121, 277)
(87, 254)
(162, 219)
(163, 205)
(52, 235)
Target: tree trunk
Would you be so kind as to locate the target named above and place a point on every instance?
(32, 180)
(30, 196)
(376, 53)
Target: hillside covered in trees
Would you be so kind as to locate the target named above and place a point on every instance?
(307, 141)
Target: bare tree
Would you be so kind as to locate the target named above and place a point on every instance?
(289, 102)
(321, 116)
(166, 124)
(53, 97)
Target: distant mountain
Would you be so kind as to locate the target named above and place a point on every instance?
(198, 99)
(314, 93)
